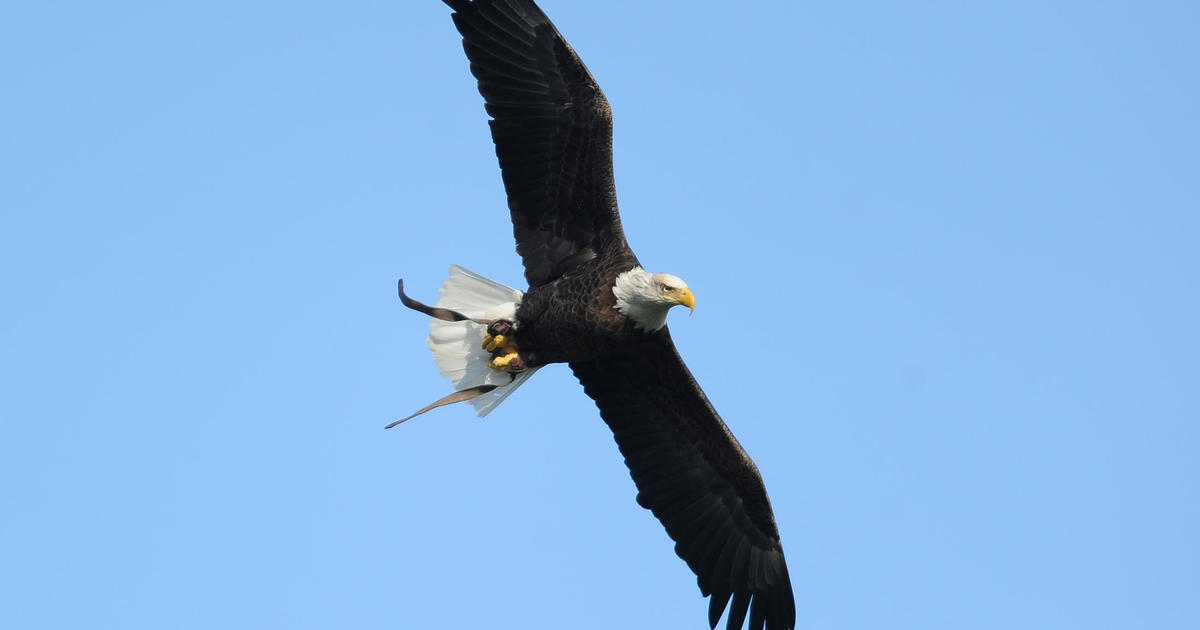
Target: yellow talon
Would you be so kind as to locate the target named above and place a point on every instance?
(491, 342)
(501, 363)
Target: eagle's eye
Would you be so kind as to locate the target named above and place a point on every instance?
(668, 289)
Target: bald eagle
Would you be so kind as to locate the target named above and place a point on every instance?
(591, 305)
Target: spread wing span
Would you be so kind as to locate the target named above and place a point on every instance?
(552, 127)
(692, 473)
(553, 132)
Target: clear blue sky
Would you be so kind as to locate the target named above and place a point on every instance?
(945, 257)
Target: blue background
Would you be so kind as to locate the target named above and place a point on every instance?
(945, 257)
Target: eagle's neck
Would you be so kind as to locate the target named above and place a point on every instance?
(637, 299)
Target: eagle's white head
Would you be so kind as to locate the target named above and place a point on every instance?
(646, 297)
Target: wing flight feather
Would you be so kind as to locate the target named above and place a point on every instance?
(552, 127)
(697, 480)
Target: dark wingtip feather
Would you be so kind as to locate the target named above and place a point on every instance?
(737, 611)
(758, 612)
(716, 606)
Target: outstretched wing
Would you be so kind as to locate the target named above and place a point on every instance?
(553, 132)
(696, 478)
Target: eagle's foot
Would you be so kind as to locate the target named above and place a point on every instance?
(510, 362)
(497, 341)
(493, 342)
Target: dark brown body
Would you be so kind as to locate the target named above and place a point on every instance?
(574, 317)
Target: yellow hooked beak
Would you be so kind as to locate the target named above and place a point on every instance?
(687, 299)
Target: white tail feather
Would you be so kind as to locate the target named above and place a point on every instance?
(458, 346)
